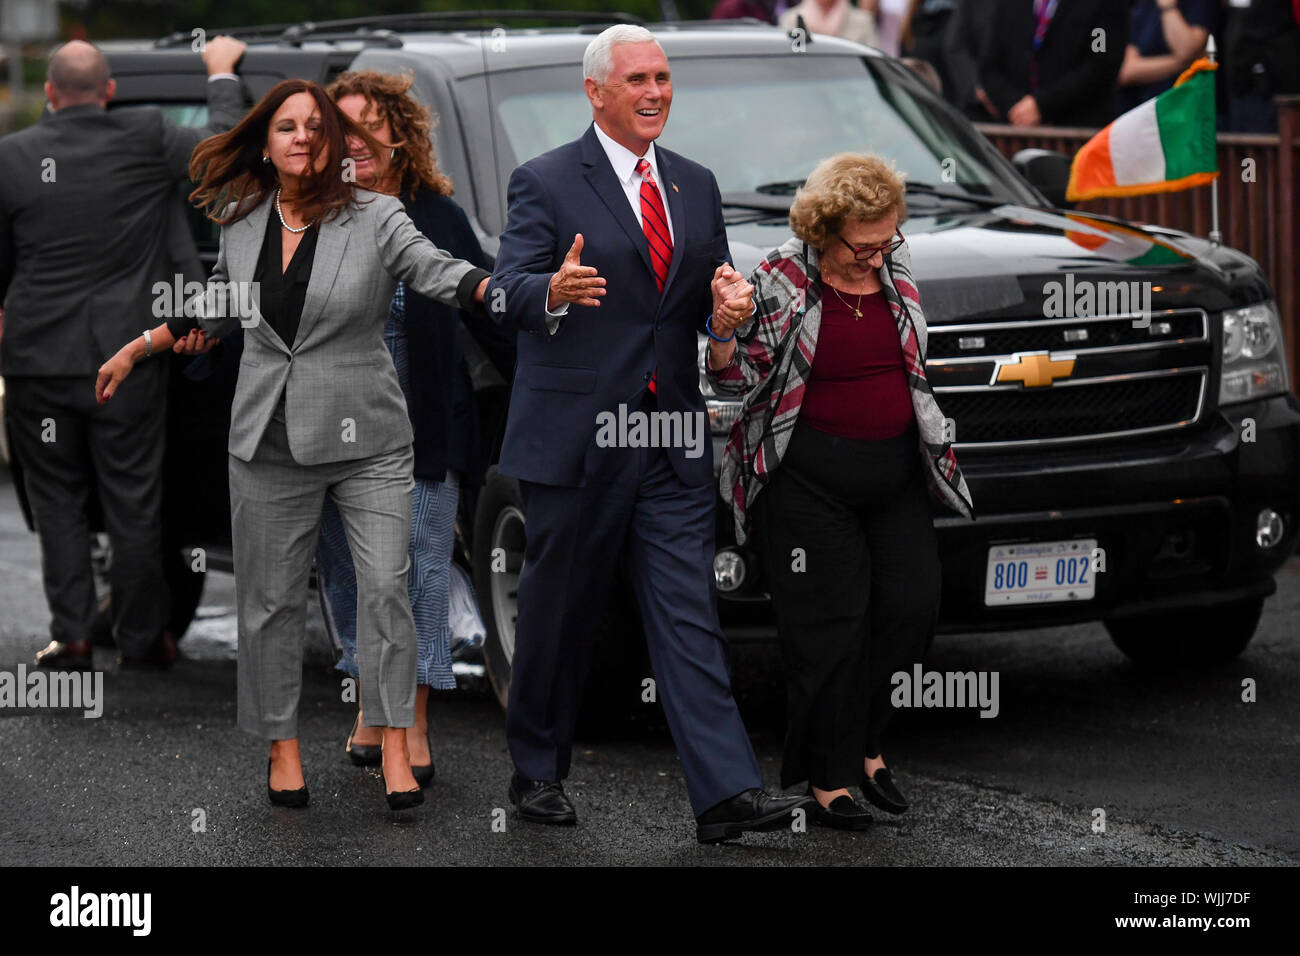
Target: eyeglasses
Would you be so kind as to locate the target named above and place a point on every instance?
(862, 253)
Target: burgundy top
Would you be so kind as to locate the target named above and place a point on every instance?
(857, 388)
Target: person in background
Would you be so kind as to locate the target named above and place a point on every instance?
(1261, 60)
(764, 10)
(1165, 36)
(924, 31)
(837, 442)
(86, 198)
(421, 335)
(837, 18)
(1054, 62)
(891, 15)
(964, 39)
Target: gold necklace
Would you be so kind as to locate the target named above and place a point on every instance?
(857, 310)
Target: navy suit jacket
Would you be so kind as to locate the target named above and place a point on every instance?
(602, 356)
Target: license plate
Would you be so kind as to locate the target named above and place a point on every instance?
(1040, 572)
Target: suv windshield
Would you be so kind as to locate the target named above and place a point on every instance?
(767, 121)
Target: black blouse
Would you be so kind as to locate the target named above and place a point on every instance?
(282, 294)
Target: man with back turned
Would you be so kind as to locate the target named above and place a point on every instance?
(85, 203)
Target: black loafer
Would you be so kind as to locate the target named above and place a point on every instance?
(66, 656)
(542, 801)
(363, 755)
(844, 813)
(753, 810)
(880, 790)
(285, 798)
(161, 655)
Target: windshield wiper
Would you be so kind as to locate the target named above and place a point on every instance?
(930, 189)
(786, 188)
(756, 200)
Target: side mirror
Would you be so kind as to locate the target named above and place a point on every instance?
(1047, 171)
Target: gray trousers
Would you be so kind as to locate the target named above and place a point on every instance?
(67, 445)
(275, 506)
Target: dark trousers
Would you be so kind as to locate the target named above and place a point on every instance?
(576, 537)
(846, 537)
(68, 444)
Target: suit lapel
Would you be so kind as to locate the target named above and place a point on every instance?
(242, 253)
(330, 245)
(676, 209)
(600, 174)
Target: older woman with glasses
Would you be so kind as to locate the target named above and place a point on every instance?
(836, 443)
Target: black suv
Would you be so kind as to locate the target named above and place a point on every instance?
(1118, 393)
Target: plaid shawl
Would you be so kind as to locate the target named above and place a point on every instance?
(772, 373)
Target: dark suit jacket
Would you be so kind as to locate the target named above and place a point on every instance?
(1075, 85)
(444, 415)
(84, 236)
(602, 356)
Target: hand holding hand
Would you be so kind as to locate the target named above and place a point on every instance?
(196, 343)
(575, 283)
(112, 373)
(221, 53)
(733, 299)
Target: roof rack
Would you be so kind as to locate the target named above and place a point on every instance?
(381, 28)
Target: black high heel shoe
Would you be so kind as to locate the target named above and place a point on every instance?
(423, 774)
(363, 755)
(285, 798)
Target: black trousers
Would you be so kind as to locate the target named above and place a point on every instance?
(846, 537)
(68, 444)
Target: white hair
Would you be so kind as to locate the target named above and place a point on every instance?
(598, 60)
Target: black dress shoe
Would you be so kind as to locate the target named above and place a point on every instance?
(162, 654)
(423, 774)
(66, 656)
(844, 813)
(542, 801)
(285, 798)
(363, 755)
(880, 790)
(754, 809)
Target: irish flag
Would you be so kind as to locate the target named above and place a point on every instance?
(1164, 145)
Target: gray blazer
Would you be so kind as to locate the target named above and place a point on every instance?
(86, 196)
(342, 397)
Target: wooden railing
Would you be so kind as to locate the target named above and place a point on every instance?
(1259, 187)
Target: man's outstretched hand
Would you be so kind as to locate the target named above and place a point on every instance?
(574, 282)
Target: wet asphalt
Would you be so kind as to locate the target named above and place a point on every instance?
(1185, 772)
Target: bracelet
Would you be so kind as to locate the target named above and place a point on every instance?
(708, 327)
(148, 343)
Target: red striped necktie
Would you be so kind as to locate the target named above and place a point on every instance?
(654, 222)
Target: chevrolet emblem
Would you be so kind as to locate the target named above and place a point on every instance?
(1033, 369)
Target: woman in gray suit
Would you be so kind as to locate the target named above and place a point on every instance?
(308, 264)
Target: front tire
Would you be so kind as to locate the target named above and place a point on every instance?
(1187, 640)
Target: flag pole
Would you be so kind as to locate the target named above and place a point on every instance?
(1216, 237)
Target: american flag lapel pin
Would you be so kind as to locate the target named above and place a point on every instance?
(675, 189)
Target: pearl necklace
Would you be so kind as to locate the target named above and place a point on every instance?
(281, 215)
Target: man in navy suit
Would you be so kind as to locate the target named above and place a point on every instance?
(613, 258)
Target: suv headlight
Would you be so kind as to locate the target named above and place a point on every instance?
(1253, 363)
(723, 412)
